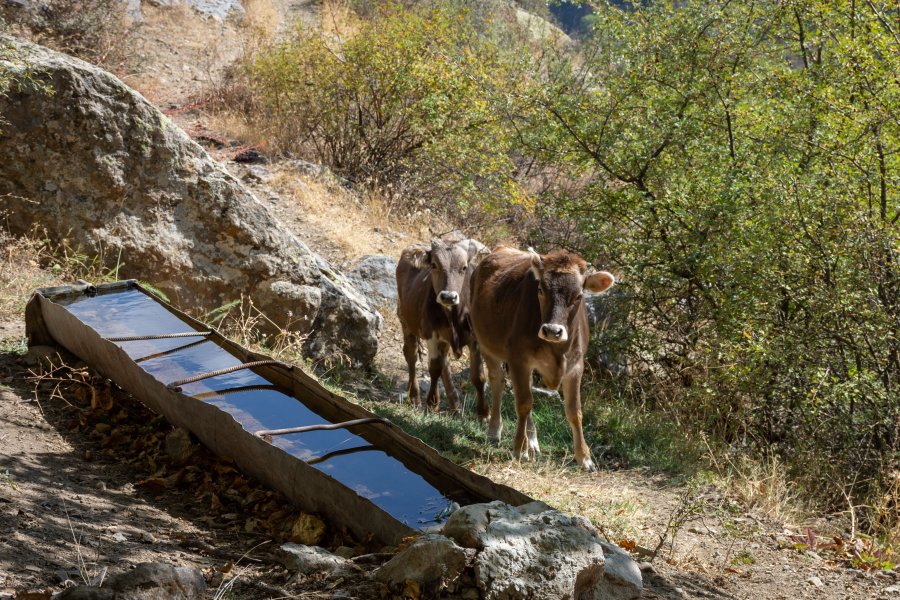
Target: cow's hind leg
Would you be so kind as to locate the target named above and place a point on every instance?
(495, 376)
(571, 387)
(410, 352)
(525, 429)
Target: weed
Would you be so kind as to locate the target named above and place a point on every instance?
(7, 480)
(81, 563)
(15, 345)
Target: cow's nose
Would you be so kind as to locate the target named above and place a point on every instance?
(449, 298)
(553, 332)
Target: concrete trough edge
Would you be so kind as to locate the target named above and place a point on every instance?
(48, 323)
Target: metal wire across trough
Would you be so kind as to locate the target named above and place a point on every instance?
(328, 455)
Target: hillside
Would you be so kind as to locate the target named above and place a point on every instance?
(703, 522)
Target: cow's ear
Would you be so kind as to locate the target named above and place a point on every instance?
(537, 264)
(599, 281)
(420, 257)
(477, 251)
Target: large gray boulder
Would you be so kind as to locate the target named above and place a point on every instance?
(534, 551)
(376, 277)
(147, 581)
(90, 161)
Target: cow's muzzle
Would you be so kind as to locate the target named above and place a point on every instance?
(448, 299)
(554, 333)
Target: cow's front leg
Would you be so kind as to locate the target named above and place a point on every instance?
(571, 387)
(526, 433)
(410, 352)
(449, 389)
(436, 363)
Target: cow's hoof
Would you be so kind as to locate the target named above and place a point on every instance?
(534, 447)
(493, 440)
(589, 466)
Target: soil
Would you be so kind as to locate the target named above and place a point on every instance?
(74, 504)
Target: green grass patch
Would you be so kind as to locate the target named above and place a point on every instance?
(619, 435)
(634, 436)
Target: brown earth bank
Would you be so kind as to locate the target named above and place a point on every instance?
(88, 488)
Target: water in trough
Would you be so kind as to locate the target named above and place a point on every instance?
(258, 404)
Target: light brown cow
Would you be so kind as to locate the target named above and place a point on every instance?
(433, 298)
(528, 311)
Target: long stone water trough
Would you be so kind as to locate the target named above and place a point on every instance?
(328, 455)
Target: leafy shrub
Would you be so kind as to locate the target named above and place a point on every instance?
(739, 164)
(401, 103)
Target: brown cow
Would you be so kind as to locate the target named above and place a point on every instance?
(528, 311)
(433, 293)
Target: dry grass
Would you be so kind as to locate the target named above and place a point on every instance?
(764, 485)
(31, 262)
(356, 225)
(338, 19)
(164, 67)
(20, 274)
(612, 501)
(261, 22)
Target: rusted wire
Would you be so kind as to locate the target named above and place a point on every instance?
(237, 390)
(322, 427)
(181, 348)
(158, 336)
(224, 371)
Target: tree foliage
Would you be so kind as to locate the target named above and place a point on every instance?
(740, 165)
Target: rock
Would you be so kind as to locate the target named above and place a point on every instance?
(99, 166)
(815, 582)
(305, 560)
(147, 537)
(430, 558)
(42, 354)
(345, 552)
(119, 537)
(533, 551)
(308, 530)
(376, 277)
(179, 445)
(147, 581)
(620, 577)
(892, 589)
(217, 9)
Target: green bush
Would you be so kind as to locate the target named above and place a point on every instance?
(400, 104)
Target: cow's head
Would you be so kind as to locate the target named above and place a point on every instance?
(562, 278)
(450, 265)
